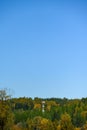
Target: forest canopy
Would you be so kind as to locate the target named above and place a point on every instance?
(42, 114)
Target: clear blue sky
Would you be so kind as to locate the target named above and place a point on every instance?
(43, 47)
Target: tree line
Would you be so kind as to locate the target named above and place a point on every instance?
(26, 113)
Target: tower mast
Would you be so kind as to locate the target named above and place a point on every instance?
(43, 106)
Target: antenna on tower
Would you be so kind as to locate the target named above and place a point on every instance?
(43, 106)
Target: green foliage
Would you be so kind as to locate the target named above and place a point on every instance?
(6, 116)
(65, 122)
(26, 113)
(73, 112)
(39, 123)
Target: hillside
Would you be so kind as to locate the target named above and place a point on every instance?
(34, 114)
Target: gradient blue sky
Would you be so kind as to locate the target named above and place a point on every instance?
(43, 48)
